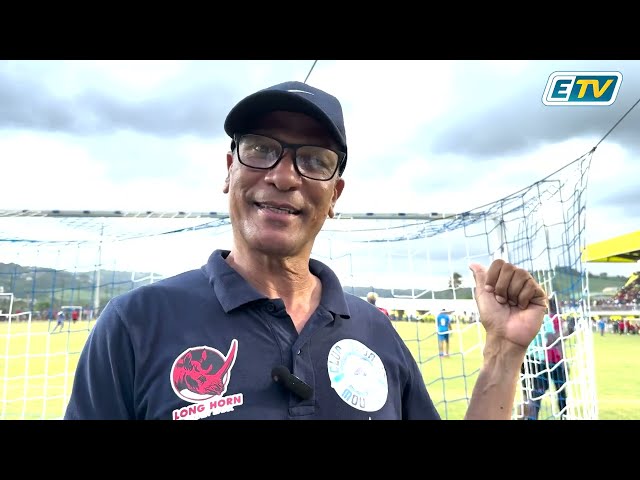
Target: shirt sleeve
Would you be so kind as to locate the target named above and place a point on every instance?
(103, 383)
(416, 401)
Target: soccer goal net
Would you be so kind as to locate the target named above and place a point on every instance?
(418, 264)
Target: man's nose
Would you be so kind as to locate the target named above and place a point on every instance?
(284, 175)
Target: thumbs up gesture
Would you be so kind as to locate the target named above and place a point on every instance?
(510, 302)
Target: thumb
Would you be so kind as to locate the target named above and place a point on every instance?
(479, 275)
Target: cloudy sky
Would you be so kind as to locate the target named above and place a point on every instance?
(424, 136)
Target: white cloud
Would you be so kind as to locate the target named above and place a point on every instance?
(44, 168)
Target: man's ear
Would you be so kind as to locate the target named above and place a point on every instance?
(225, 188)
(337, 191)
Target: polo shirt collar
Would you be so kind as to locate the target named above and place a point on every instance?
(233, 290)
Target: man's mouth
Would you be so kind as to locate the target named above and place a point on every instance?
(278, 208)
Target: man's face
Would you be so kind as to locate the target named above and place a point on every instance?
(277, 211)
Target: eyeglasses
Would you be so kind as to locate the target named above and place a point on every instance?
(262, 152)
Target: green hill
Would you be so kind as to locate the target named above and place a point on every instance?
(37, 288)
(566, 282)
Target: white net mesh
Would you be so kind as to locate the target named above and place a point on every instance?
(417, 263)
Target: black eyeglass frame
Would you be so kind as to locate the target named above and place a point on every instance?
(291, 146)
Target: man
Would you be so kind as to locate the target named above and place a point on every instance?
(601, 325)
(544, 365)
(264, 332)
(59, 321)
(372, 298)
(443, 320)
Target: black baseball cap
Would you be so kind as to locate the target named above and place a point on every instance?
(291, 97)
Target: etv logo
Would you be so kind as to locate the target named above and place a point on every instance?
(582, 88)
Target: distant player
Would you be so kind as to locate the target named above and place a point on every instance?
(74, 315)
(443, 320)
(60, 321)
(371, 298)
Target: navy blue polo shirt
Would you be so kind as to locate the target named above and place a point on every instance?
(202, 345)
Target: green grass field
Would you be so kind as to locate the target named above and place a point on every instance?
(449, 380)
(617, 359)
(31, 387)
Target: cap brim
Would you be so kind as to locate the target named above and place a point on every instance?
(244, 115)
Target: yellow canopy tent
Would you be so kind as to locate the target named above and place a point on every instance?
(621, 249)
